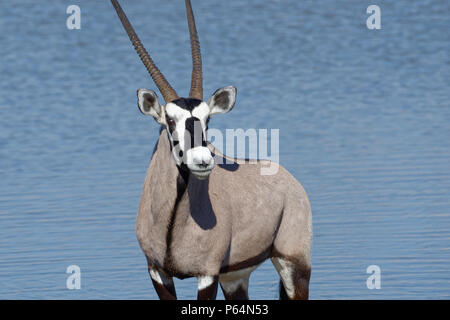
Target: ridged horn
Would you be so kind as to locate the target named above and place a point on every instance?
(196, 81)
(163, 85)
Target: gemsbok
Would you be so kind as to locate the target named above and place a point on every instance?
(213, 222)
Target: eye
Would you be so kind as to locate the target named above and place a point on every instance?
(170, 122)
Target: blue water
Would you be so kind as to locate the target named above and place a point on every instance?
(364, 125)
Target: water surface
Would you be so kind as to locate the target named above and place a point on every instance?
(363, 118)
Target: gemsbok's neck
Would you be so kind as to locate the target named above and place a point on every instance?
(169, 188)
(163, 167)
(163, 182)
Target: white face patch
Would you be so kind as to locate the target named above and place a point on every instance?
(176, 113)
(179, 115)
(201, 111)
(193, 156)
(200, 155)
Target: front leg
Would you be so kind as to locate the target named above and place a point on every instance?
(207, 287)
(163, 284)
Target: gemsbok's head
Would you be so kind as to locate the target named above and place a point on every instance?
(184, 119)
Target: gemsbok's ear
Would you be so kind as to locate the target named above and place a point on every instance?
(148, 104)
(222, 100)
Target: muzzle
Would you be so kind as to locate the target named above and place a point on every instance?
(200, 162)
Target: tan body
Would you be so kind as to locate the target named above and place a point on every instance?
(201, 216)
(233, 220)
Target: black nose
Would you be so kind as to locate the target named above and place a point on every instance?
(203, 164)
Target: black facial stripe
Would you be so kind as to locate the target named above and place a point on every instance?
(187, 103)
(194, 127)
(171, 128)
(182, 169)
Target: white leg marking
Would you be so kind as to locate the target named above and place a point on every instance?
(160, 278)
(204, 282)
(231, 281)
(285, 269)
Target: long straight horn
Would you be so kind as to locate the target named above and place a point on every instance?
(164, 87)
(196, 82)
